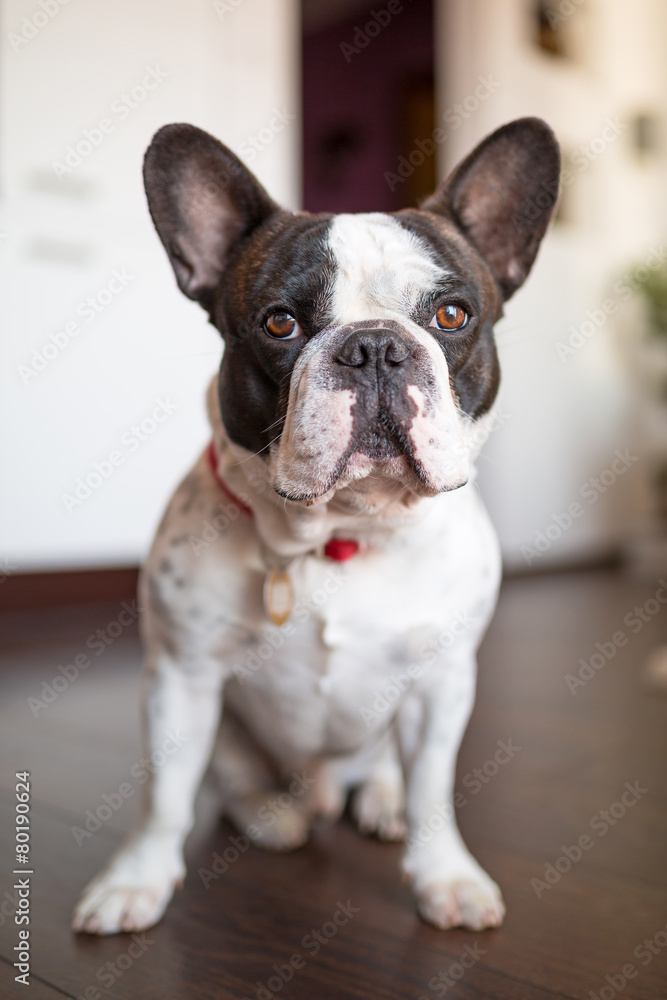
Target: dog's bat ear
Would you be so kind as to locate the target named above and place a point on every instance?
(202, 200)
(502, 196)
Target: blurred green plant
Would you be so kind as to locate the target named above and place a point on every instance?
(653, 290)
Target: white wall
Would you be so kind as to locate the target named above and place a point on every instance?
(567, 417)
(227, 69)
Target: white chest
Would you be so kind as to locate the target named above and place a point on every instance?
(363, 628)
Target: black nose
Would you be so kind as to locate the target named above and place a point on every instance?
(373, 349)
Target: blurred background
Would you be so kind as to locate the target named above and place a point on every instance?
(336, 105)
(342, 105)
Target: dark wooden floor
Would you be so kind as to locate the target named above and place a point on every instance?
(577, 753)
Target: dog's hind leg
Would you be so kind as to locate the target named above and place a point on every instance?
(378, 805)
(259, 805)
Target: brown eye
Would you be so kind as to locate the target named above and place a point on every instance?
(450, 317)
(282, 326)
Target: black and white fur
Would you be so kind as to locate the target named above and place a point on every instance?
(365, 425)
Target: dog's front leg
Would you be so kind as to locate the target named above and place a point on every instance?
(452, 889)
(182, 714)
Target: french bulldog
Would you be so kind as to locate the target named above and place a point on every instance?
(322, 577)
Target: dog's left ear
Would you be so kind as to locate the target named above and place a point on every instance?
(203, 201)
(502, 197)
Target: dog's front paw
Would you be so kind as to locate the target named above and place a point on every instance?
(106, 908)
(132, 893)
(470, 901)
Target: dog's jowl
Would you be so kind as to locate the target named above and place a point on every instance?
(331, 532)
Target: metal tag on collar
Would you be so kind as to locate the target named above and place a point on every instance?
(278, 595)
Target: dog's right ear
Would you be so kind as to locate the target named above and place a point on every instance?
(202, 200)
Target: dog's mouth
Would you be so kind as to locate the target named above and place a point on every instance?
(381, 442)
(393, 433)
(383, 454)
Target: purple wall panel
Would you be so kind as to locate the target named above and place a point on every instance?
(352, 106)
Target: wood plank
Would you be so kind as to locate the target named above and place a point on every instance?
(577, 753)
(224, 940)
(36, 990)
(27, 591)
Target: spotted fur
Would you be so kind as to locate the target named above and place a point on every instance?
(365, 425)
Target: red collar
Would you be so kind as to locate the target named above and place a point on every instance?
(212, 457)
(338, 549)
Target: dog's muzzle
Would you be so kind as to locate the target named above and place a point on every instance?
(369, 399)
